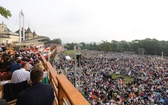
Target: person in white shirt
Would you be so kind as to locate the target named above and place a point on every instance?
(21, 74)
(0, 49)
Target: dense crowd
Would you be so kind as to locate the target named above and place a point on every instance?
(94, 78)
(24, 78)
(149, 78)
(12, 60)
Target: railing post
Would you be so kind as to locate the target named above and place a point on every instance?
(60, 95)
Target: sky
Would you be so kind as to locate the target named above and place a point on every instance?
(91, 20)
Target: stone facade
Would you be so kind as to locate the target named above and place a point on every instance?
(28, 34)
(3, 28)
(6, 36)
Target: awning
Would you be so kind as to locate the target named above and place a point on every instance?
(67, 57)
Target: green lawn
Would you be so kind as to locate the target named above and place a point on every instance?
(69, 52)
(127, 78)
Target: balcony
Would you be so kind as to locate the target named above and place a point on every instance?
(65, 92)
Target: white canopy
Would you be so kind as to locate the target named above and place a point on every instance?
(67, 57)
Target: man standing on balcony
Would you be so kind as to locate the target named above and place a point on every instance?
(39, 93)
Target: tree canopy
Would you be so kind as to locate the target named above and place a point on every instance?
(146, 46)
(4, 12)
(48, 40)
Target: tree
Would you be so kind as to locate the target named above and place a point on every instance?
(141, 51)
(4, 12)
(57, 41)
(134, 45)
(46, 40)
(70, 46)
(105, 46)
(151, 46)
(114, 45)
(124, 46)
(94, 46)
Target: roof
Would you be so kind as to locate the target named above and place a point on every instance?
(17, 31)
(21, 30)
(7, 30)
(34, 33)
(28, 30)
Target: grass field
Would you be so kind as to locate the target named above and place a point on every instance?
(69, 52)
(127, 78)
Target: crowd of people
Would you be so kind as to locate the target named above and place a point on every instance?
(149, 78)
(94, 77)
(18, 67)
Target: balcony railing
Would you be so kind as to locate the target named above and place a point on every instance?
(65, 92)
